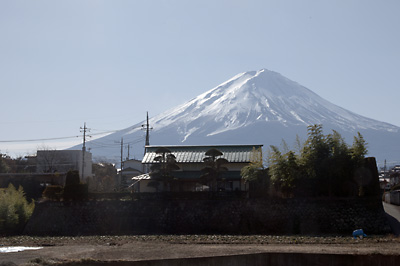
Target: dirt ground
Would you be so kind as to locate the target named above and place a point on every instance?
(58, 250)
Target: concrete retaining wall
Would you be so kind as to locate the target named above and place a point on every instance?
(300, 216)
(395, 197)
(392, 197)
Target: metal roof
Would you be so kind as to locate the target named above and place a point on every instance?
(195, 154)
(190, 175)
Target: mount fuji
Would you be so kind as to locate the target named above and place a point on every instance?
(256, 107)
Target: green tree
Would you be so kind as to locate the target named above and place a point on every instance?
(338, 172)
(361, 173)
(103, 169)
(163, 167)
(320, 160)
(214, 167)
(74, 189)
(15, 165)
(252, 171)
(326, 166)
(359, 148)
(284, 170)
(72, 178)
(315, 152)
(105, 176)
(4, 168)
(337, 145)
(15, 210)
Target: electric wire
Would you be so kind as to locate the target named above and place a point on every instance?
(33, 140)
(57, 138)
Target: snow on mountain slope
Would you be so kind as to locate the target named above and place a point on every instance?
(254, 107)
(253, 97)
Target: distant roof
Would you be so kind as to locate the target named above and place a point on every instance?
(141, 177)
(195, 154)
(130, 169)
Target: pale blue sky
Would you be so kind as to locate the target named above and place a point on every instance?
(106, 63)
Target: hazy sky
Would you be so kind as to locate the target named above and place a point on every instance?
(106, 63)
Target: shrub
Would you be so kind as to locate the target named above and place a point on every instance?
(73, 189)
(15, 210)
(53, 192)
(76, 192)
(72, 178)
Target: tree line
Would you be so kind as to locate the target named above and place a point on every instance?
(324, 165)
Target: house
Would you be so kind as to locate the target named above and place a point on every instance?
(61, 161)
(394, 175)
(189, 171)
(130, 169)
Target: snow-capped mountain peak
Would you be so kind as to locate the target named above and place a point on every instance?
(255, 97)
(256, 107)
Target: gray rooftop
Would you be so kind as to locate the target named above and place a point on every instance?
(195, 154)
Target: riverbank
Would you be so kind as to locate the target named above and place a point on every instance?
(61, 250)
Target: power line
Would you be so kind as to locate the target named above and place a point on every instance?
(56, 138)
(99, 144)
(105, 132)
(33, 140)
(94, 144)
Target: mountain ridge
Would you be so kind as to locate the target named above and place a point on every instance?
(278, 102)
(256, 107)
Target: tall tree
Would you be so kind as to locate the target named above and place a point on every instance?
(214, 166)
(325, 166)
(255, 175)
(315, 152)
(163, 166)
(284, 170)
(338, 170)
(358, 152)
(252, 171)
(104, 176)
(359, 148)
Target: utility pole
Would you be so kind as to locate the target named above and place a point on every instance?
(122, 152)
(127, 158)
(122, 158)
(384, 172)
(147, 143)
(84, 129)
(147, 128)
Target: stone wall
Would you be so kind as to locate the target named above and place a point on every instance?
(228, 216)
